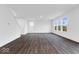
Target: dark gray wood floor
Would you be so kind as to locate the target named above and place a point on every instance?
(41, 43)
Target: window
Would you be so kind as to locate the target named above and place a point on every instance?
(55, 27)
(64, 28)
(61, 24)
(31, 23)
(59, 28)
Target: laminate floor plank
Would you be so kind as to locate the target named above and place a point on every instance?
(41, 43)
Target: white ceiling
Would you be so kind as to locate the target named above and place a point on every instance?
(39, 10)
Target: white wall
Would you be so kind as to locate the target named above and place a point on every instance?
(9, 29)
(40, 26)
(73, 25)
(22, 25)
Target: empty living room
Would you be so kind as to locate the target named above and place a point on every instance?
(39, 29)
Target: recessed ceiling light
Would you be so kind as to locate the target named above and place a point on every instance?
(41, 16)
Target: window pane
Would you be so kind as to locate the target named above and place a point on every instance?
(64, 28)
